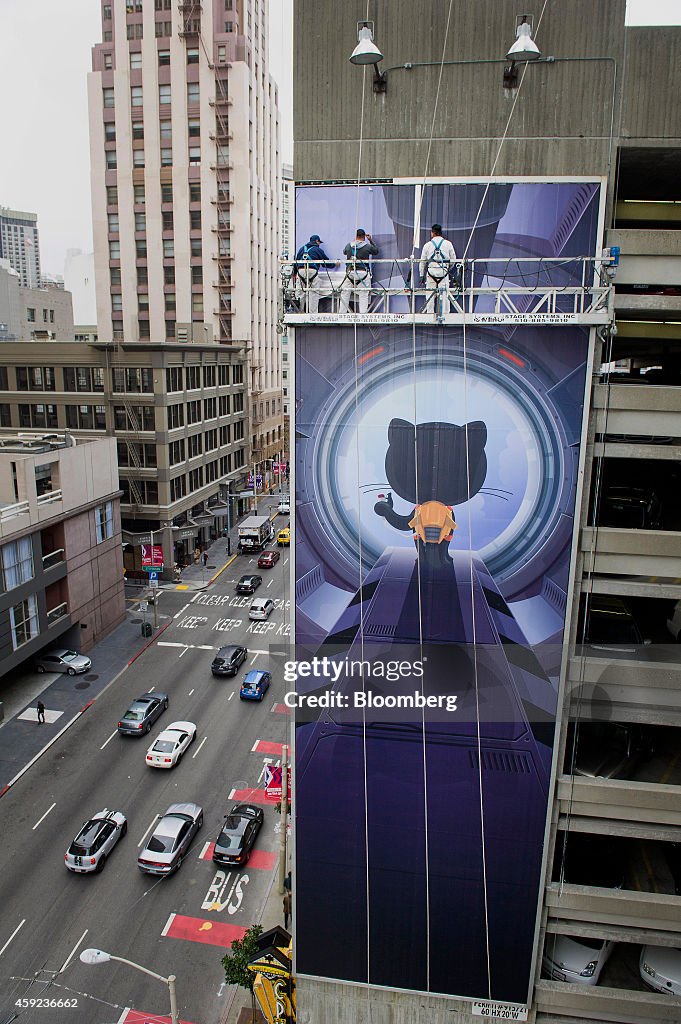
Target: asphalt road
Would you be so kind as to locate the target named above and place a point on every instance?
(49, 915)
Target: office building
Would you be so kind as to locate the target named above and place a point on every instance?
(19, 244)
(44, 311)
(447, 116)
(185, 188)
(60, 543)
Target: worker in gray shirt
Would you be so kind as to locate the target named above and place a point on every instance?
(358, 272)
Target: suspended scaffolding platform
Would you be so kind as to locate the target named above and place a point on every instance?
(480, 292)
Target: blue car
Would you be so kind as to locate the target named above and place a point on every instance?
(255, 685)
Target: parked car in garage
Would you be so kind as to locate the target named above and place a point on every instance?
(606, 750)
(576, 959)
(610, 625)
(660, 969)
(636, 508)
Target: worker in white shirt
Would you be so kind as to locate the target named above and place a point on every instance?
(438, 259)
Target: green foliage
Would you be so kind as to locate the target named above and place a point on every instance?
(243, 950)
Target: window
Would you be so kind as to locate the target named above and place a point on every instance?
(17, 563)
(164, 94)
(174, 378)
(111, 195)
(166, 193)
(225, 435)
(222, 54)
(175, 416)
(104, 521)
(238, 402)
(133, 379)
(24, 620)
(229, 26)
(37, 416)
(169, 275)
(138, 130)
(143, 326)
(192, 56)
(228, 5)
(168, 248)
(166, 158)
(106, 12)
(197, 274)
(113, 223)
(239, 430)
(143, 302)
(176, 452)
(167, 219)
(111, 160)
(197, 302)
(108, 59)
(210, 408)
(194, 127)
(170, 302)
(110, 131)
(136, 60)
(194, 445)
(134, 31)
(223, 374)
(237, 374)
(117, 303)
(166, 129)
(163, 57)
(193, 412)
(136, 96)
(193, 378)
(178, 488)
(83, 378)
(163, 28)
(141, 248)
(194, 154)
(211, 440)
(30, 314)
(170, 328)
(196, 479)
(192, 92)
(209, 375)
(108, 97)
(139, 195)
(138, 158)
(195, 246)
(137, 417)
(195, 192)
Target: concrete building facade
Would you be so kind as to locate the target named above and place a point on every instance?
(79, 279)
(185, 186)
(19, 243)
(60, 543)
(30, 313)
(445, 103)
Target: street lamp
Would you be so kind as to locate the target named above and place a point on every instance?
(98, 956)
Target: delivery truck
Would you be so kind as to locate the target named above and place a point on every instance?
(254, 533)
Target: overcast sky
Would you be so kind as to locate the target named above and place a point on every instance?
(43, 111)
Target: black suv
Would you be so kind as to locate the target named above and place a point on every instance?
(248, 584)
(228, 660)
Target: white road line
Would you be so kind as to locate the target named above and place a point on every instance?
(143, 839)
(168, 923)
(231, 695)
(182, 653)
(206, 647)
(121, 1019)
(12, 936)
(44, 816)
(199, 747)
(270, 583)
(190, 692)
(254, 658)
(255, 746)
(71, 954)
(151, 689)
(182, 610)
(285, 561)
(204, 851)
(109, 739)
(168, 643)
(231, 794)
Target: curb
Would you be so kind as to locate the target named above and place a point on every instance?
(147, 645)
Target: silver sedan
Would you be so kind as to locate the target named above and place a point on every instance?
(171, 839)
(62, 660)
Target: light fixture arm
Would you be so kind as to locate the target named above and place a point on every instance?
(381, 78)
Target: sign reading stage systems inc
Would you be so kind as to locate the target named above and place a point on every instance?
(436, 480)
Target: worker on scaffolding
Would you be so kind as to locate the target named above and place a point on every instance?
(358, 272)
(438, 262)
(308, 285)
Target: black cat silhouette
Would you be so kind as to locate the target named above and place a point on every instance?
(429, 466)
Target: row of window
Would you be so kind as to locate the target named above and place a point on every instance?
(168, 276)
(48, 315)
(195, 248)
(135, 379)
(134, 418)
(170, 301)
(197, 478)
(164, 95)
(166, 194)
(165, 129)
(198, 444)
(138, 157)
(167, 221)
(212, 408)
(188, 378)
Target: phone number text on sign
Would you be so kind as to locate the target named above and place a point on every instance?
(499, 1011)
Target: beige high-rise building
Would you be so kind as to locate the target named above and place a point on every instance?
(185, 186)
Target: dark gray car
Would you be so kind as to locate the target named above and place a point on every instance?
(142, 714)
(171, 839)
(228, 660)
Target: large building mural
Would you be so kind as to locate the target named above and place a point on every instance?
(436, 478)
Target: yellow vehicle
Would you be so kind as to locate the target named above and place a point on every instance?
(284, 537)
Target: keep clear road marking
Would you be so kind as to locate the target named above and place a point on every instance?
(199, 747)
(72, 953)
(44, 816)
(109, 739)
(18, 927)
(153, 822)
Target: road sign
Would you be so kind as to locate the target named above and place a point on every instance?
(143, 606)
(153, 576)
(153, 584)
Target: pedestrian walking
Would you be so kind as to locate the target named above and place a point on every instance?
(287, 908)
(357, 274)
(205, 558)
(40, 708)
(437, 262)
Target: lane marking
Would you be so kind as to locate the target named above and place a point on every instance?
(259, 860)
(280, 709)
(18, 927)
(151, 689)
(169, 643)
(182, 610)
(167, 925)
(231, 695)
(190, 692)
(199, 747)
(285, 561)
(71, 954)
(153, 822)
(44, 816)
(267, 747)
(204, 647)
(182, 653)
(198, 929)
(206, 847)
(109, 739)
(254, 658)
(270, 583)
(250, 796)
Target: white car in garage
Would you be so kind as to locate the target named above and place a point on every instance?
(170, 746)
(576, 959)
(660, 969)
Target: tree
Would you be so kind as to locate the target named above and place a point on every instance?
(234, 963)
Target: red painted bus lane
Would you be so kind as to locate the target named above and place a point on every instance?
(198, 929)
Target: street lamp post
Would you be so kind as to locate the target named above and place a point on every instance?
(98, 956)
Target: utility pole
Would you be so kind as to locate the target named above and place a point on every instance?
(255, 489)
(284, 818)
(154, 596)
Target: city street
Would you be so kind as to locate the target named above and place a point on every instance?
(182, 924)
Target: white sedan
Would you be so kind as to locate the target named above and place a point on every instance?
(577, 959)
(169, 747)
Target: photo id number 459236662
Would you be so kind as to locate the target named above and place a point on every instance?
(46, 1003)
